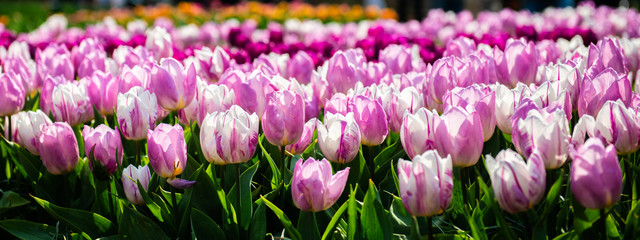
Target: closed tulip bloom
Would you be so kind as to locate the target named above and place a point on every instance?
(376, 73)
(608, 85)
(553, 95)
(173, 84)
(58, 148)
(417, 133)
(306, 138)
(344, 70)
(213, 63)
(517, 185)
(569, 78)
(596, 177)
(214, 98)
(426, 183)
(26, 69)
(518, 63)
(159, 43)
(103, 92)
(12, 94)
(130, 177)
(546, 132)
(106, 145)
(459, 134)
(339, 138)
(339, 103)
(137, 112)
(71, 104)
(408, 100)
(371, 119)
(131, 77)
(615, 124)
(314, 187)
(444, 76)
(167, 150)
(283, 118)
(478, 99)
(28, 127)
(606, 54)
(301, 67)
(507, 101)
(401, 59)
(55, 60)
(229, 137)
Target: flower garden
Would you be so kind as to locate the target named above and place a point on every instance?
(291, 121)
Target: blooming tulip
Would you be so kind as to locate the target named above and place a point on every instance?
(28, 126)
(159, 43)
(106, 145)
(507, 101)
(417, 133)
(401, 59)
(608, 85)
(596, 177)
(546, 132)
(475, 98)
(214, 98)
(130, 176)
(301, 67)
(518, 63)
(407, 100)
(344, 70)
(426, 183)
(11, 94)
(103, 92)
(313, 186)
(174, 86)
(615, 124)
(371, 119)
(305, 139)
(58, 148)
(339, 103)
(229, 137)
(137, 112)
(459, 133)
(283, 118)
(167, 150)
(339, 137)
(517, 185)
(71, 104)
(213, 63)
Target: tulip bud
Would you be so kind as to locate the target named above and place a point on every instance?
(215, 98)
(517, 185)
(71, 104)
(339, 137)
(283, 118)
(518, 63)
(507, 101)
(174, 85)
(593, 93)
(305, 139)
(26, 69)
(54, 60)
(103, 92)
(106, 145)
(28, 127)
(596, 177)
(401, 59)
(344, 70)
(546, 132)
(615, 124)
(313, 186)
(58, 148)
(339, 103)
(426, 183)
(459, 133)
(159, 42)
(137, 112)
(417, 133)
(131, 77)
(167, 150)
(130, 176)
(301, 67)
(11, 94)
(478, 99)
(229, 137)
(408, 100)
(371, 119)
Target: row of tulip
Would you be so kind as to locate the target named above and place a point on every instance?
(141, 141)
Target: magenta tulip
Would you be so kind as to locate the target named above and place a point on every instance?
(371, 119)
(105, 144)
(167, 150)
(314, 187)
(173, 84)
(12, 94)
(58, 148)
(459, 134)
(130, 177)
(283, 118)
(596, 176)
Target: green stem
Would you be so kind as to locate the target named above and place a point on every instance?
(527, 224)
(138, 153)
(284, 167)
(464, 177)
(603, 224)
(239, 189)
(430, 228)
(370, 162)
(9, 128)
(175, 203)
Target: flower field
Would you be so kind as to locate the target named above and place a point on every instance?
(333, 122)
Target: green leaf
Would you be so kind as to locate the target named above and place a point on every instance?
(584, 218)
(11, 200)
(245, 207)
(28, 230)
(134, 225)
(477, 226)
(205, 195)
(632, 228)
(353, 215)
(82, 221)
(399, 214)
(504, 225)
(375, 220)
(154, 208)
(383, 158)
(293, 233)
(308, 225)
(334, 220)
(275, 178)
(204, 227)
(258, 227)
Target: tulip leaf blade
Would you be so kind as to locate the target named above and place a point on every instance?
(477, 225)
(308, 225)
(205, 197)
(244, 207)
(375, 220)
(134, 225)
(334, 221)
(204, 227)
(92, 224)
(275, 178)
(258, 226)
(632, 227)
(28, 230)
(154, 208)
(11, 199)
(293, 232)
(381, 160)
(353, 215)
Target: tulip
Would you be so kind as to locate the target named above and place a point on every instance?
(518, 62)
(131, 77)
(417, 133)
(313, 186)
(26, 69)
(28, 127)
(130, 177)
(344, 70)
(426, 183)
(376, 73)
(54, 60)
(229, 137)
(339, 103)
(103, 92)
(174, 85)
(94, 61)
(301, 67)
(408, 100)
(444, 76)
(305, 139)
(167, 150)
(159, 43)
(546, 132)
(339, 137)
(517, 185)
(596, 177)
(213, 63)
(606, 54)
(12, 94)
(615, 124)
(460, 47)
(283, 118)
(136, 112)
(507, 101)
(552, 95)
(214, 98)
(131, 57)
(401, 59)
(608, 85)
(71, 104)
(58, 148)
(46, 93)
(478, 99)
(371, 119)
(105, 144)
(250, 90)
(459, 134)
(569, 78)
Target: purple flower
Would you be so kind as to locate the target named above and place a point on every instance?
(314, 187)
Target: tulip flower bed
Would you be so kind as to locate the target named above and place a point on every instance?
(509, 125)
